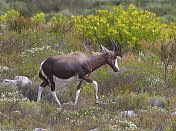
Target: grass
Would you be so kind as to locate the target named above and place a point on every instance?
(17, 112)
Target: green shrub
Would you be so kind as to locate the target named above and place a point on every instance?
(155, 119)
(61, 25)
(21, 23)
(130, 101)
(11, 14)
(9, 43)
(39, 17)
(8, 88)
(126, 27)
(158, 101)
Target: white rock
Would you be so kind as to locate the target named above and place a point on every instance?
(40, 129)
(128, 113)
(18, 80)
(95, 129)
(69, 103)
(23, 80)
(174, 113)
(7, 81)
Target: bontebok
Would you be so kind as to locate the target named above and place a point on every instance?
(77, 66)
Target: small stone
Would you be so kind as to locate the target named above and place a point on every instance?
(40, 129)
(128, 113)
(69, 103)
(173, 114)
(23, 80)
(95, 129)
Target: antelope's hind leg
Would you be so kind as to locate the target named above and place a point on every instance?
(42, 85)
(78, 91)
(53, 91)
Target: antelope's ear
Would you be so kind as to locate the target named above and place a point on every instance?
(104, 49)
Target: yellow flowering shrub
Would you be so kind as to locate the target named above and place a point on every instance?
(40, 17)
(126, 27)
(11, 14)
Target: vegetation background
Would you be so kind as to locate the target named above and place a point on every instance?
(28, 8)
(141, 96)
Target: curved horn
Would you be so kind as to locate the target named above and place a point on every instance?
(105, 49)
(114, 45)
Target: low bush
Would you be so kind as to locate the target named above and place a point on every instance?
(156, 118)
(22, 23)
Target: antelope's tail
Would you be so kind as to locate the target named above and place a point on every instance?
(41, 75)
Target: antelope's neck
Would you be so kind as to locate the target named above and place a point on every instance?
(97, 61)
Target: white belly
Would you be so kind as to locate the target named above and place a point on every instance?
(71, 79)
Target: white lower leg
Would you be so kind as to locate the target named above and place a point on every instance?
(39, 93)
(55, 97)
(77, 95)
(96, 91)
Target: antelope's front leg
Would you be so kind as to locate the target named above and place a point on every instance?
(95, 84)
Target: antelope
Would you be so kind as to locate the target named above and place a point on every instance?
(76, 66)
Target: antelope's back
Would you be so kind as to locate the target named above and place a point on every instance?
(64, 66)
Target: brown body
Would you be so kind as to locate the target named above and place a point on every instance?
(66, 66)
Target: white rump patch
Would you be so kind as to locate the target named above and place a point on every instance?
(71, 79)
(116, 64)
(42, 64)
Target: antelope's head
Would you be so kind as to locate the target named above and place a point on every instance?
(111, 58)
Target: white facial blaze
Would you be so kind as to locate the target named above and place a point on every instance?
(116, 64)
